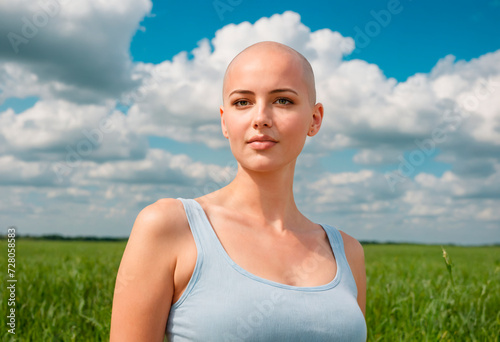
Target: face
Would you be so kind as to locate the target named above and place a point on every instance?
(267, 113)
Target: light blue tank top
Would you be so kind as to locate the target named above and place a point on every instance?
(223, 302)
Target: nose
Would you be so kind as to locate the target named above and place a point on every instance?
(262, 117)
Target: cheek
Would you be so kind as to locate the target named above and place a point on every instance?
(296, 133)
(236, 128)
(233, 129)
(297, 126)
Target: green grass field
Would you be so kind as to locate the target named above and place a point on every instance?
(65, 289)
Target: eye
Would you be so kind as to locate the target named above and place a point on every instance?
(241, 103)
(283, 101)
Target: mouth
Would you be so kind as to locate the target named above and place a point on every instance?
(262, 142)
(261, 138)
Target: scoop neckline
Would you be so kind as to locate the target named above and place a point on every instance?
(336, 253)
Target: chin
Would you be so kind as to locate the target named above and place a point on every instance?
(267, 165)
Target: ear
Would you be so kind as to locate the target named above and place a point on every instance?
(223, 122)
(317, 119)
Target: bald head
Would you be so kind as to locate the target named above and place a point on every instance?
(263, 49)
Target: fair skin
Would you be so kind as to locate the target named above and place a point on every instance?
(266, 115)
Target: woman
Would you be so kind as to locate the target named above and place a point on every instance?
(242, 263)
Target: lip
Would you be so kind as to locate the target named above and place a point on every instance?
(261, 142)
(262, 138)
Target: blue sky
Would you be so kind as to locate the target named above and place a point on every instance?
(409, 151)
(413, 40)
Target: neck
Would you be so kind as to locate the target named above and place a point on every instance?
(265, 196)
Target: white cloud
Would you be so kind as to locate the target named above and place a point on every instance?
(428, 209)
(68, 49)
(160, 166)
(17, 172)
(376, 157)
(348, 191)
(64, 131)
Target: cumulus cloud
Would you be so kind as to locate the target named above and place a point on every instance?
(160, 166)
(57, 130)
(67, 49)
(365, 190)
(428, 208)
(474, 123)
(16, 172)
(376, 156)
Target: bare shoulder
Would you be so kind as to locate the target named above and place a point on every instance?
(145, 280)
(356, 258)
(160, 218)
(353, 249)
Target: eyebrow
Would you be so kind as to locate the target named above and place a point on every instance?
(282, 90)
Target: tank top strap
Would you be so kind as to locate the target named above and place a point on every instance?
(196, 220)
(203, 234)
(337, 244)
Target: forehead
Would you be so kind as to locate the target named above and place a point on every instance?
(265, 68)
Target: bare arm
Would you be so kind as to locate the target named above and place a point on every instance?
(356, 259)
(144, 284)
